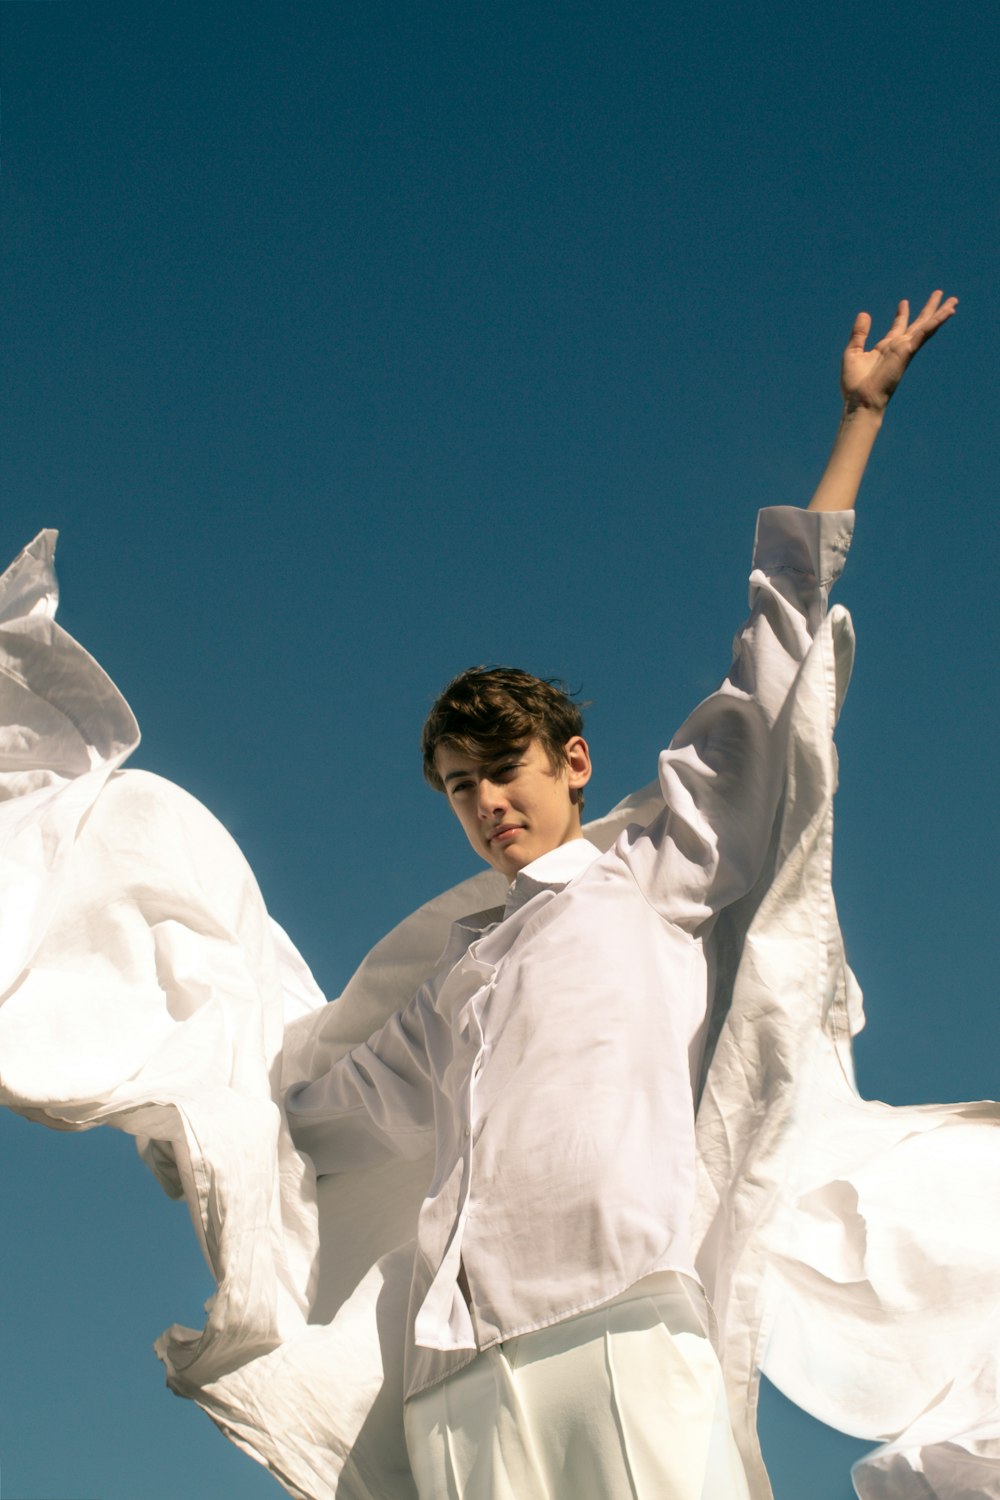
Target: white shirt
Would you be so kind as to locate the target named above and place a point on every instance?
(551, 1061)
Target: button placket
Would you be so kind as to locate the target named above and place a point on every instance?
(477, 1008)
(464, 1016)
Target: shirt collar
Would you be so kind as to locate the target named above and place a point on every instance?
(550, 872)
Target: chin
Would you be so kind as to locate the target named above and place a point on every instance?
(508, 864)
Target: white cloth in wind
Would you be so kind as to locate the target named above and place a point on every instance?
(848, 1246)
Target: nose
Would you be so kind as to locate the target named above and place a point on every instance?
(491, 799)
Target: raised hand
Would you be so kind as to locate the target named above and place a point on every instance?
(868, 377)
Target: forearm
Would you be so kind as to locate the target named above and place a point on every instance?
(841, 479)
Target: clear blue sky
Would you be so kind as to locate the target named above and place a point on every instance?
(348, 345)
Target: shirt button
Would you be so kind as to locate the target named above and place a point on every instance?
(468, 1132)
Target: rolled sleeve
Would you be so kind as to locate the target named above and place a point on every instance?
(803, 553)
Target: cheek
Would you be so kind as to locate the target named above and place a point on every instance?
(470, 825)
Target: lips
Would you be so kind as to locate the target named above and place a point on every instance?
(504, 833)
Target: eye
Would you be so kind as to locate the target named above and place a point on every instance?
(460, 786)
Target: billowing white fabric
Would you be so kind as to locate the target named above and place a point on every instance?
(626, 1402)
(849, 1247)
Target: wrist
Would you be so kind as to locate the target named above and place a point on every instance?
(858, 414)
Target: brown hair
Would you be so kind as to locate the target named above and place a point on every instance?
(486, 711)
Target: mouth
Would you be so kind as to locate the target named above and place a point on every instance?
(504, 833)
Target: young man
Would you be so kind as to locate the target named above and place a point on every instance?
(559, 1337)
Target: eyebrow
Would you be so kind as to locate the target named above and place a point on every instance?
(514, 753)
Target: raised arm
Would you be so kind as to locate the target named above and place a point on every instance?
(868, 378)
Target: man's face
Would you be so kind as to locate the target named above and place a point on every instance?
(516, 808)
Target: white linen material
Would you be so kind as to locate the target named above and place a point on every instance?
(849, 1246)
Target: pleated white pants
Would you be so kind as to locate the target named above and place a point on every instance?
(622, 1403)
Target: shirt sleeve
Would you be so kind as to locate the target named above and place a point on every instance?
(723, 772)
(375, 1102)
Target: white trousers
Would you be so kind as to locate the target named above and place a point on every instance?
(622, 1403)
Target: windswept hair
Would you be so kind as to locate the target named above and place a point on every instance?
(487, 711)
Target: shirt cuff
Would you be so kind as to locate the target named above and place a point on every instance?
(813, 543)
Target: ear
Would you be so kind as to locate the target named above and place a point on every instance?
(578, 767)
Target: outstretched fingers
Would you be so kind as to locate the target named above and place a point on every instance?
(927, 322)
(930, 307)
(868, 377)
(897, 326)
(933, 313)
